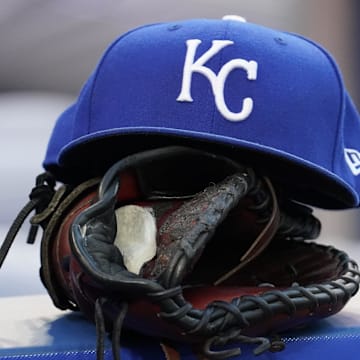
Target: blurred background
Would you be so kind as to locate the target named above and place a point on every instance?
(48, 49)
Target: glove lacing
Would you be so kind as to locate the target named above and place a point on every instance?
(272, 344)
(101, 332)
(40, 198)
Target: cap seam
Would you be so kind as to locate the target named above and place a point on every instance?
(99, 68)
(341, 91)
(340, 110)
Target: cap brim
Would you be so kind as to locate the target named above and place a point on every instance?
(301, 179)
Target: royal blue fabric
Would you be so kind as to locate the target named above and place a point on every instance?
(301, 112)
(72, 337)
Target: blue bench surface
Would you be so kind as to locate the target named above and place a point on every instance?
(31, 327)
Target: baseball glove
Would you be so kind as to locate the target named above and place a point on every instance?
(186, 246)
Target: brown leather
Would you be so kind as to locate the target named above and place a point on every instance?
(262, 240)
(170, 352)
(280, 264)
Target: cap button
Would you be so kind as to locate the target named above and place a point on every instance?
(234, 18)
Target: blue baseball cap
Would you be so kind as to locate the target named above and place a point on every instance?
(270, 99)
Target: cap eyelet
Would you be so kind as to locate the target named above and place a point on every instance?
(174, 27)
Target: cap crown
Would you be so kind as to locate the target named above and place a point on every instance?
(275, 99)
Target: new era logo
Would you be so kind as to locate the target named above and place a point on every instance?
(352, 158)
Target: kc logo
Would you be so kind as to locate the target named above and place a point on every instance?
(217, 81)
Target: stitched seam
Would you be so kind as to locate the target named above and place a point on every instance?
(341, 106)
(99, 69)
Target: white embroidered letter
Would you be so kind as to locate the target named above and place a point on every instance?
(217, 81)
